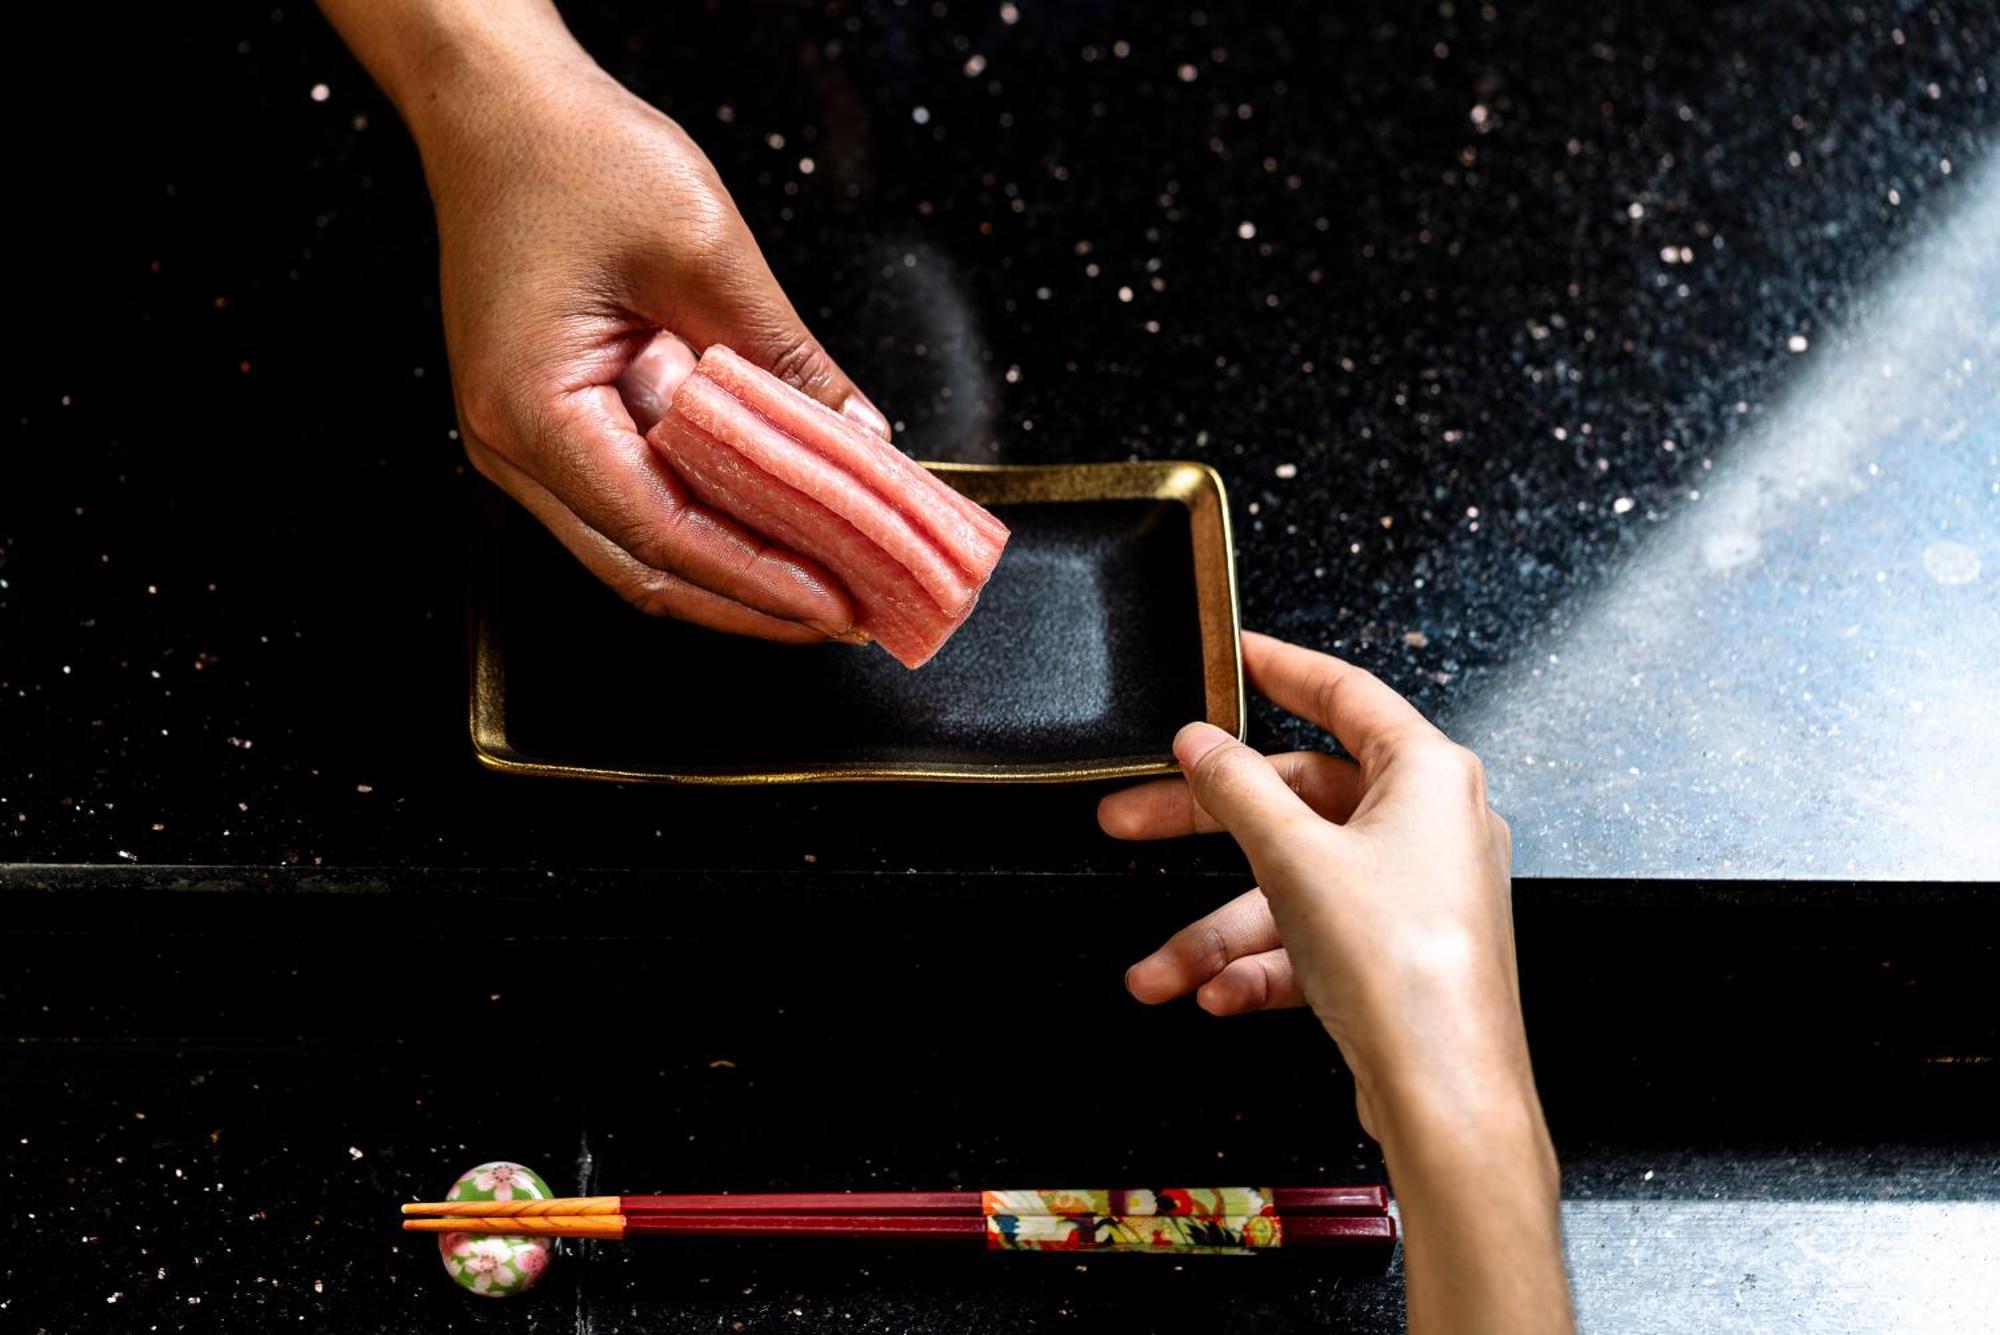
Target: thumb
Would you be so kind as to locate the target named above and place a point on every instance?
(647, 386)
(1243, 791)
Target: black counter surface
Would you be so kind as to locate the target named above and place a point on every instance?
(1623, 384)
(1775, 1111)
(1487, 319)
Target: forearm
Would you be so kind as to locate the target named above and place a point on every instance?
(1479, 1194)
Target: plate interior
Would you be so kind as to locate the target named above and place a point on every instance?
(1086, 648)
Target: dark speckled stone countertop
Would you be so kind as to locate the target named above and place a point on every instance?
(1623, 388)
(1622, 382)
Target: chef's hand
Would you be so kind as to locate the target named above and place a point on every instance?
(1383, 905)
(579, 231)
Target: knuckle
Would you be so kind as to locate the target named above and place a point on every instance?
(1326, 690)
(1471, 767)
(704, 243)
(1276, 974)
(800, 361)
(1208, 947)
(1256, 976)
(1440, 754)
(652, 546)
(654, 540)
(1298, 772)
(1331, 678)
(1222, 767)
(654, 597)
(484, 417)
(708, 237)
(1406, 744)
(1434, 761)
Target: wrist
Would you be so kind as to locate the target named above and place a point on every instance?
(489, 75)
(1443, 1127)
(450, 62)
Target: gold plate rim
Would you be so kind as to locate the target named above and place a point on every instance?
(1195, 485)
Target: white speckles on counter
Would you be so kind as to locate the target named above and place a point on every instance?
(1951, 563)
(1780, 651)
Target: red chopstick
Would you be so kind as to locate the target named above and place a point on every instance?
(1289, 1201)
(1305, 1230)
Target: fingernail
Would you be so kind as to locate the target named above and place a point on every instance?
(844, 634)
(1197, 740)
(858, 409)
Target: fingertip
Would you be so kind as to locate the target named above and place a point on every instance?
(1217, 997)
(785, 587)
(1114, 816)
(790, 633)
(1150, 981)
(720, 614)
(841, 633)
(857, 408)
(1196, 740)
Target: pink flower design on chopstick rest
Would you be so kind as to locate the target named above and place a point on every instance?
(487, 1269)
(503, 1180)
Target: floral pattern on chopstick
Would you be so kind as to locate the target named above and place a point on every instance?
(1216, 1201)
(1176, 1219)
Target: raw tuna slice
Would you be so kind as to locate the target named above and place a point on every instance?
(912, 553)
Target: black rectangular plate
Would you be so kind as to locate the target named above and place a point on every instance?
(1109, 624)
